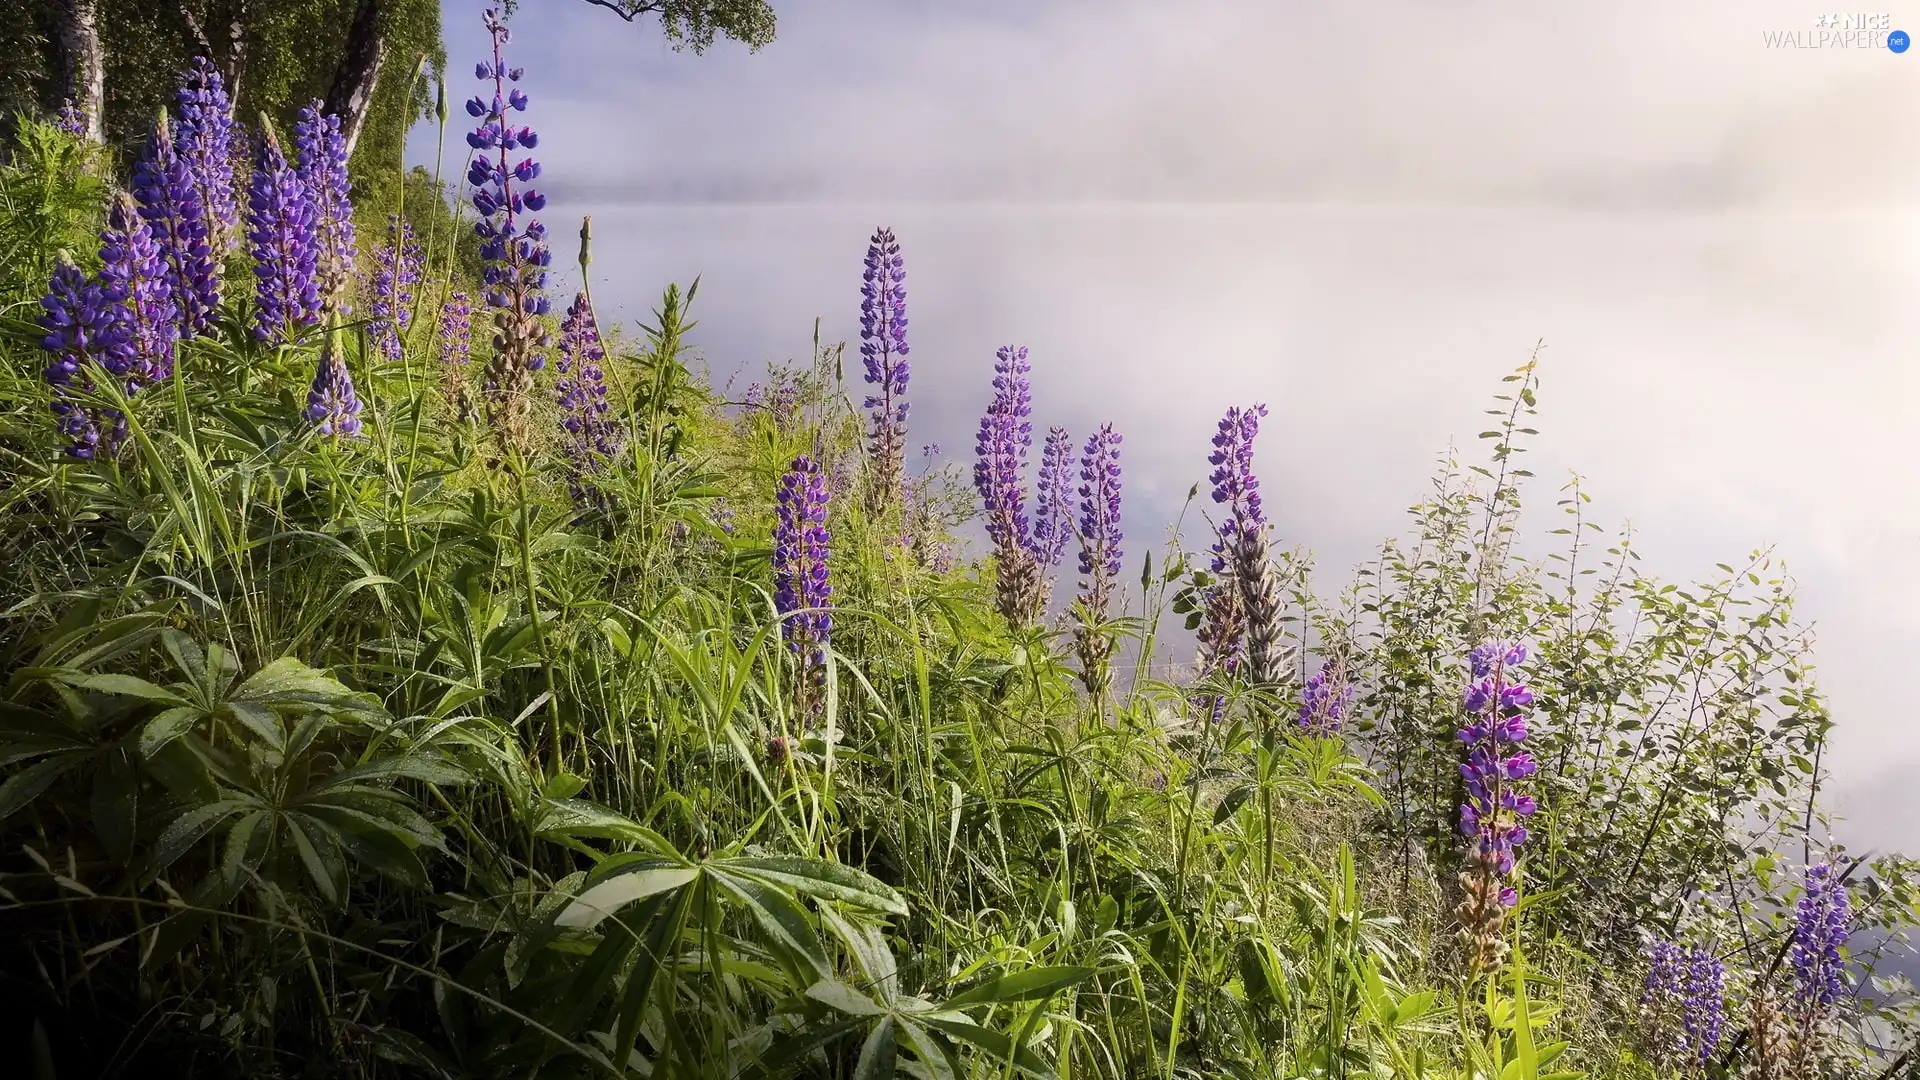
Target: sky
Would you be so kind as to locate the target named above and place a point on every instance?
(1361, 215)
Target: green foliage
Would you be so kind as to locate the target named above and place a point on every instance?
(384, 757)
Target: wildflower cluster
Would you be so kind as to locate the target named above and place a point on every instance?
(1492, 815)
(513, 244)
(71, 119)
(883, 349)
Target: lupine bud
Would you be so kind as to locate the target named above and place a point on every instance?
(321, 160)
(883, 351)
(285, 246)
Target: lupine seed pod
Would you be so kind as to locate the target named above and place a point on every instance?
(1771, 1052)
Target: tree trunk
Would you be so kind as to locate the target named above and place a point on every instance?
(236, 64)
(359, 71)
(86, 63)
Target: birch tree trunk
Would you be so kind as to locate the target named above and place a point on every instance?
(359, 72)
(79, 32)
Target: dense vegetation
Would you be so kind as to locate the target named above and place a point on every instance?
(386, 695)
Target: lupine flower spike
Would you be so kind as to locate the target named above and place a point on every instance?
(590, 438)
(170, 204)
(1683, 1007)
(133, 278)
(1324, 700)
(1820, 926)
(1005, 436)
(456, 350)
(206, 141)
(1493, 815)
(70, 119)
(393, 285)
(1242, 551)
(513, 244)
(1052, 503)
(883, 349)
(1100, 551)
(801, 590)
(285, 247)
(332, 406)
(81, 326)
(321, 160)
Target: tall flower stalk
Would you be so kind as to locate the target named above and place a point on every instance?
(82, 326)
(1325, 698)
(801, 589)
(133, 279)
(170, 203)
(1100, 552)
(1052, 503)
(332, 406)
(320, 158)
(883, 350)
(1492, 816)
(1683, 1005)
(1820, 928)
(513, 244)
(284, 242)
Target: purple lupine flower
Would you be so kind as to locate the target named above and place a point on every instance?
(320, 157)
(883, 349)
(1665, 970)
(456, 331)
(1324, 700)
(393, 285)
(1100, 535)
(206, 141)
(513, 244)
(1006, 434)
(1819, 933)
(591, 437)
(284, 242)
(1234, 485)
(1704, 1003)
(82, 325)
(170, 203)
(332, 406)
(1493, 812)
(721, 514)
(1052, 513)
(800, 540)
(70, 119)
(133, 279)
